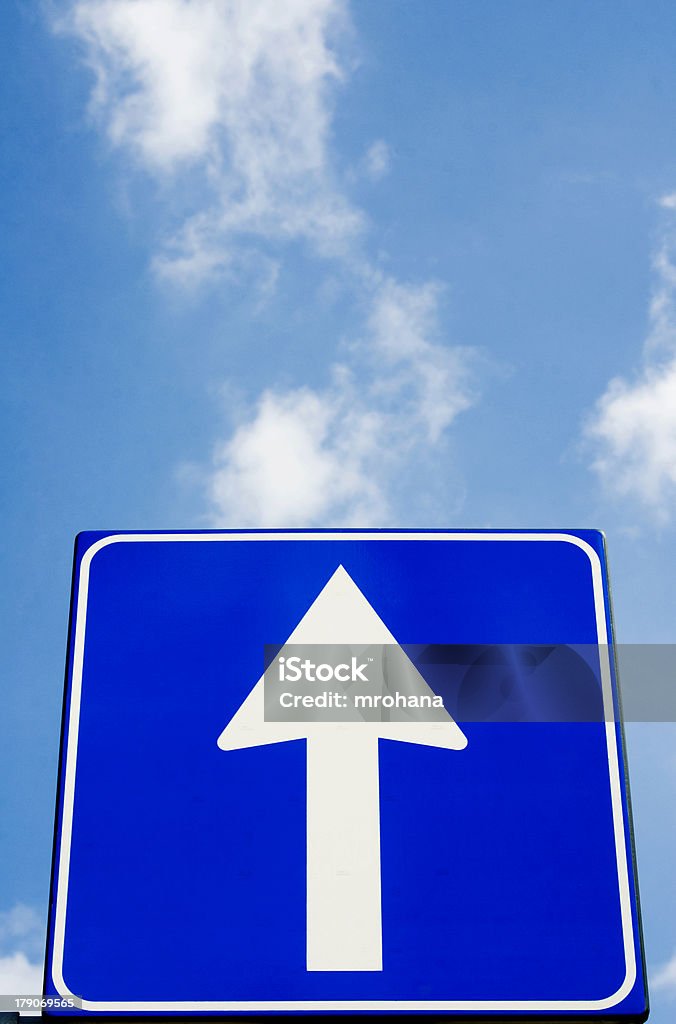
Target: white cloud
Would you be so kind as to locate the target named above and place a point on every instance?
(662, 334)
(22, 940)
(668, 201)
(664, 978)
(232, 101)
(331, 456)
(633, 426)
(18, 976)
(429, 382)
(236, 90)
(303, 457)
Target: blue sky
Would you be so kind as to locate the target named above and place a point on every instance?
(338, 264)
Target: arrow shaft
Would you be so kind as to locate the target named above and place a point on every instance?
(344, 919)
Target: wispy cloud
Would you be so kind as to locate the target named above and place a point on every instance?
(664, 978)
(235, 93)
(332, 455)
(22, 940)
(234, 98)
(22, 928)
(377, 160)
(20, 977)
(633, 427)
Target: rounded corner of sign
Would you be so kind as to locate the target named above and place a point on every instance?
(583, 545)
(625, 988)
(645, 1012)
(99, 545)
(59, 982)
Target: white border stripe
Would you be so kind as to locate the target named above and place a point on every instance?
(351, 1005)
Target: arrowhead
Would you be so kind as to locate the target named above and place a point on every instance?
(339, 615)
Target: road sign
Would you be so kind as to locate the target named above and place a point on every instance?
(471, 860)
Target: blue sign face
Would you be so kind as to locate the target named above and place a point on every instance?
(210, 860)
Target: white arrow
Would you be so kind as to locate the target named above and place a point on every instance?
(344, 923)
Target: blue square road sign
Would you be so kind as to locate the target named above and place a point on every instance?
(208, 861)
